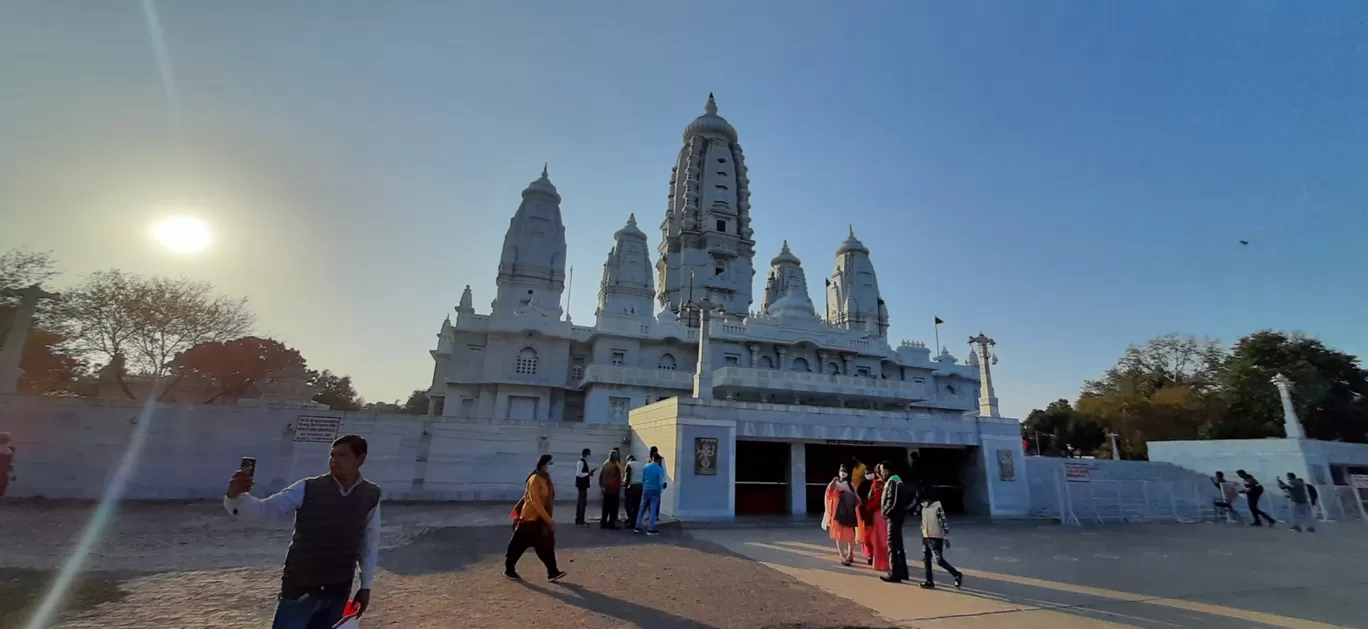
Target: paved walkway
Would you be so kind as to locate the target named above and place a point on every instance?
(1027, 576)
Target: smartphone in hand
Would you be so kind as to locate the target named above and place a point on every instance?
(248, 465)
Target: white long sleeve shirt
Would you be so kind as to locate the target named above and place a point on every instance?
(283, 505)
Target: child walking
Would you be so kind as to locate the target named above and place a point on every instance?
(935, 539)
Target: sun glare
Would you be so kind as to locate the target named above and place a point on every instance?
(182, 234)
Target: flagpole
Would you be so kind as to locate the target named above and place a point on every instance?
(938, 346)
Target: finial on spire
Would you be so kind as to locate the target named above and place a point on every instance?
(544, 165)
(850, 227)
(631, 219)
(711, 107)
(785, 248)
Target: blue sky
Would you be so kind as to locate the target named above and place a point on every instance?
(1069, 177)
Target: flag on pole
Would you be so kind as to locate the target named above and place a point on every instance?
(939, 321)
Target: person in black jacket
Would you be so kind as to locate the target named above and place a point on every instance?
(896, 498)
(582, 474)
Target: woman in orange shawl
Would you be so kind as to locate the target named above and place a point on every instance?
(533, 526)
(842, 515)
(875, 526)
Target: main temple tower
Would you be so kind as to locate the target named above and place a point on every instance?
(706, 249)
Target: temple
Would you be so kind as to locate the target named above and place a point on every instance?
(753, 406)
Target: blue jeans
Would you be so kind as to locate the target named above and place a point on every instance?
(314, 610)
(650, 502)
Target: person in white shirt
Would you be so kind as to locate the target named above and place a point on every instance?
(582, 474)
(336, 528)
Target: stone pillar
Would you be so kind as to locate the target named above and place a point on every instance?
(988, 402)
(703, 387)
(13, 351)
(783, 357)
(846, 361)
(797, 479)
(1292, 427)
(754, 355)
(432, 404)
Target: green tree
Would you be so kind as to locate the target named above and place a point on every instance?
(1060, 426)
(1330, 394)
(1164, 389)
(337, 392)
(417, 403)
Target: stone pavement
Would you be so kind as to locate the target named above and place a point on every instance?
(1025, 576)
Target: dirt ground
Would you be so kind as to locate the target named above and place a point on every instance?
(193, 566)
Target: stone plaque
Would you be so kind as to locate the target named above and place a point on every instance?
(316, 429)
(1076, 472)
(705, 456)
(1006, 465)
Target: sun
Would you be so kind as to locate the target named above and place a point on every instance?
(182, 234)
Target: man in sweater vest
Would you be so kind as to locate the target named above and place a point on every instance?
(336, 528)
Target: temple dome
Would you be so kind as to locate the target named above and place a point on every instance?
(851, 243)
(710, 123)
(785, 257)
(542, 186)
(793, 305)
(630, 231)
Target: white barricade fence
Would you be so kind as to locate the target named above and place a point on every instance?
(1135, 502)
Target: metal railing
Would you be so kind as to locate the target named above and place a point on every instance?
(1135, 502)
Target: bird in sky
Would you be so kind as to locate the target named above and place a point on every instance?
(1244, 242)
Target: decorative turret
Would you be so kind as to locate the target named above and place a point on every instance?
(853, 300)
(532, 267)
(706, 250)
(627, 287)
(467, 301)
(786, 293)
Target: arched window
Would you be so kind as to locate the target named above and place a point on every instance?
(667, 361)
(766, 362)
(527, 361)
(833, 369)
(801, 364)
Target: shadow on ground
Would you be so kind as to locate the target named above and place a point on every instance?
(22, 590)
(452, 549)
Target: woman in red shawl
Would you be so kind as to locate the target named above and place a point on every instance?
(875, 526)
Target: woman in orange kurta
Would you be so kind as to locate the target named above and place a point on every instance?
(842, 515)
(533, 525)
(876, 527)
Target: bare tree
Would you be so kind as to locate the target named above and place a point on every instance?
(149, 321)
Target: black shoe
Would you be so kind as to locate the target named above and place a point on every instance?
(637, 531)
(556, 577)
(512, 576)
(959, 581)
(928, 586)
(653, 532)
(890, 579)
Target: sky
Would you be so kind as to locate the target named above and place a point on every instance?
(1067, 177)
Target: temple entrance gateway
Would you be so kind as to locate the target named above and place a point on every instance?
(762, 477)
(940, 468)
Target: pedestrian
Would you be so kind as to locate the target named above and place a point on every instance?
(336, 528)
(610, 483)
(582, 474)
(1295, 488)
(876, 526)
(1230, 492)
(893, 504)
(535, 527)
(653, 484)
(1253, 491)
(6, 462)
(935, 539)
(631, 478)
(841, 517)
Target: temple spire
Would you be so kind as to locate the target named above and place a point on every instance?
(544, 165)
(711, 107)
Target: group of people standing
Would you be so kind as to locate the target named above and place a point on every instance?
(534, 525)
(870, 508)
(1302, 496)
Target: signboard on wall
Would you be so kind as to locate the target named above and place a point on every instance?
(849, 442)
(705, 456)
(1006, 466)
(1359, 481)
(1076, 472)
(316, 429)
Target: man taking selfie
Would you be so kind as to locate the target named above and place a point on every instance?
(336, 527)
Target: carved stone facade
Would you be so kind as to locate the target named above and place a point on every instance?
(526, 360)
